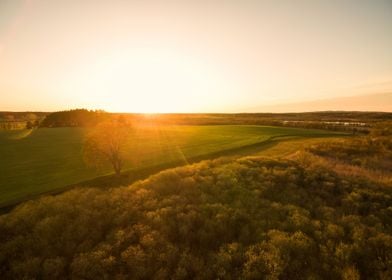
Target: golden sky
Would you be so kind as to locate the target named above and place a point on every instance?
(190, 56)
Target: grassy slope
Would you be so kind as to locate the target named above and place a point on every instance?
(50, 159)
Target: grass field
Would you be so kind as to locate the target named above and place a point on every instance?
(47, 159)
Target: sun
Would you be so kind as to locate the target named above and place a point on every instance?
(149, 81)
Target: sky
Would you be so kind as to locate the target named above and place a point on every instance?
(190, 56)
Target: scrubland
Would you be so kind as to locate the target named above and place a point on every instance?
(296, 217)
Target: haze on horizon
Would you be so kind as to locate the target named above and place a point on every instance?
(191, 56)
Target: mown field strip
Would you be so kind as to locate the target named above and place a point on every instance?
(47, 160)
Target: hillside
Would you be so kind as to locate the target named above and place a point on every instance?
(249, 218)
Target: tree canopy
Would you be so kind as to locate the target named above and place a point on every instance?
(251, 218)
(76, 117)
(106, 143)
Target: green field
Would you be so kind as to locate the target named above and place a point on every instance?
(46, 159)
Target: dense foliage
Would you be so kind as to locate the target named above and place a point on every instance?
(248, 218)
(72, 118)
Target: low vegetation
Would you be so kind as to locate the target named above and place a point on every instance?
(369, 157)
(249, 218)
(323, 210)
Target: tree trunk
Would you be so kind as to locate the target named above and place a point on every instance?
(117, 168)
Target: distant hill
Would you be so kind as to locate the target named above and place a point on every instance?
(381, 102)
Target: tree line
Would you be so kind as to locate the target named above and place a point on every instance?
(354, 122)
(75, 118)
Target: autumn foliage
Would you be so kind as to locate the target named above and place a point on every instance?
(251, 218)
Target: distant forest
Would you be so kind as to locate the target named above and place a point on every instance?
(355, 122)
(74, 118)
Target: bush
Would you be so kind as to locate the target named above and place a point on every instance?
(249, 218)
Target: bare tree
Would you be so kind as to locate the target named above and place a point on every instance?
(106, 144)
